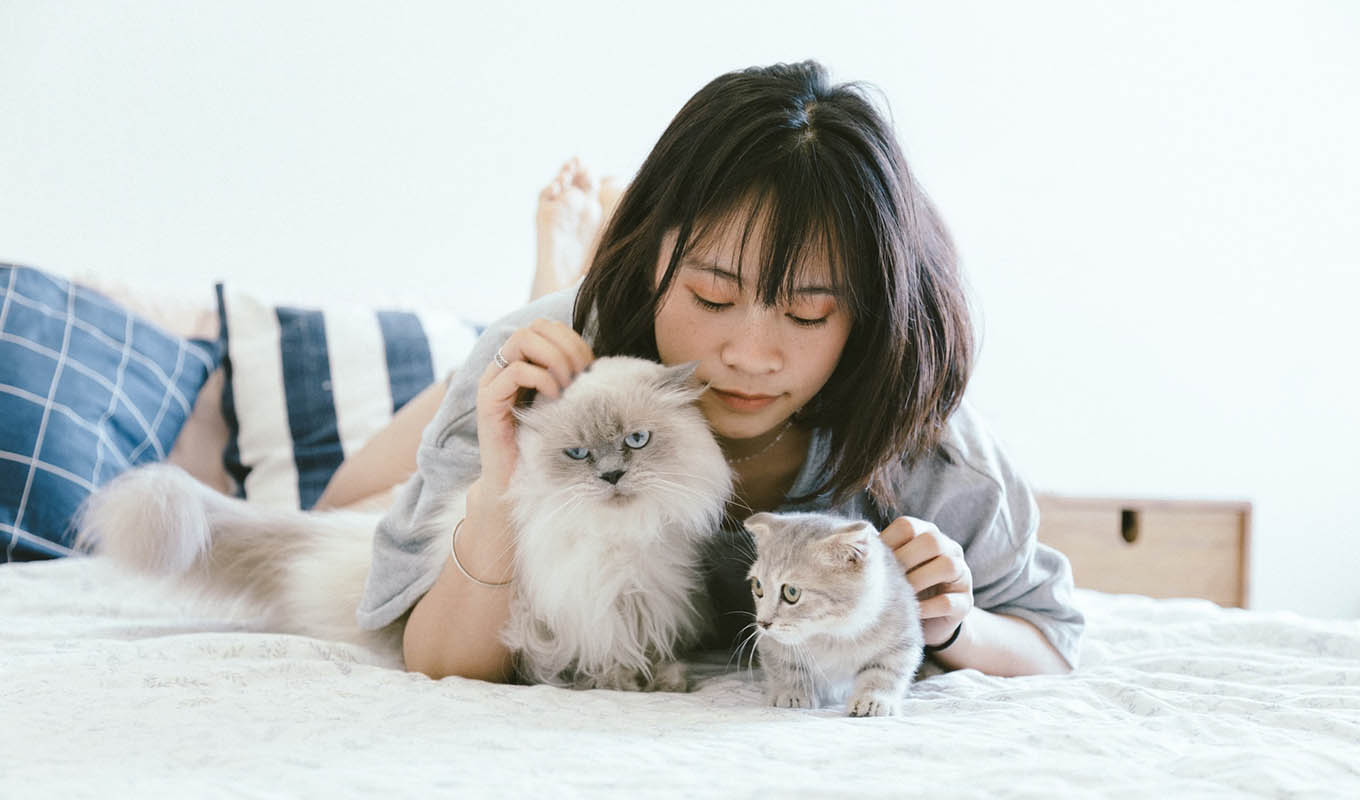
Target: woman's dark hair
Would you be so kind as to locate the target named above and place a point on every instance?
(820, 169)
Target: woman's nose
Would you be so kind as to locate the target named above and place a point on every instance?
(754, 345)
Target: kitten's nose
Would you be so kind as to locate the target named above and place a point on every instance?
(763, 623)
(612, 477)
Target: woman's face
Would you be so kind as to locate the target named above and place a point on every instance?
(763, 363)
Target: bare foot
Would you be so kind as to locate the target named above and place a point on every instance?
(571, 212)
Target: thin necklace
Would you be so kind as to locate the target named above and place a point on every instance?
(763, 450)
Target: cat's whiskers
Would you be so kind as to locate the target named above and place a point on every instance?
(660, 485)
(705, 488)
(573, 499)
(736, 654)
(671, 487)
(757, 634)
(805, 666)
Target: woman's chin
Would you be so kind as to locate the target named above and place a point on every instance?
(726, 427)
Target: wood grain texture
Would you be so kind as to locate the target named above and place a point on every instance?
(1159, 548)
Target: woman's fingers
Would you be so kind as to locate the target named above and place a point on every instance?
(569, 342)
(941, 569)
(544, 356)
(914, 542)
(505, 387)
(551, 345)
(954, 603)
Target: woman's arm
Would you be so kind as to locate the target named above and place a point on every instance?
(454, 628)
(386, 459)
(999, 644)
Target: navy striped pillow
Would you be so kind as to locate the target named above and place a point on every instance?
(87, 390)
(305, 387)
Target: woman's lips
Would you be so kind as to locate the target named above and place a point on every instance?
(744, 402)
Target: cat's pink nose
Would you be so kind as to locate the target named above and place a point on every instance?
(763, 624)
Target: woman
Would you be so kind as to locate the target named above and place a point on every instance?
(776, 236)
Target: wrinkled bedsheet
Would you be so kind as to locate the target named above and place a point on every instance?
(107, 689)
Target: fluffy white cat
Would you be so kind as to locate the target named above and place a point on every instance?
(619, 482)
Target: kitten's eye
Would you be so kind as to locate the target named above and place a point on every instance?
(638, 439)
(791, 594)
(576, 453)
(756, 588)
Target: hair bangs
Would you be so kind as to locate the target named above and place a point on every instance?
(805, 238)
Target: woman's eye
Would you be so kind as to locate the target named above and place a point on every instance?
(756, 588)
(791, 594)
(576, 453)
(638, 439)
(707, 304)
(808, 323)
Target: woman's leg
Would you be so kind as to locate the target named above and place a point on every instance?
(571, 209)
(364, 480)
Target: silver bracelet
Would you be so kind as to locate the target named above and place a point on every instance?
(453, 551)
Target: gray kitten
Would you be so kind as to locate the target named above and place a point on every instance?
(835, 615)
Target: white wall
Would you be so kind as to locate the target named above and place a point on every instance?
(1156, 203)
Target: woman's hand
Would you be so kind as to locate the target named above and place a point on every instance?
(937, 571)
(544, 356)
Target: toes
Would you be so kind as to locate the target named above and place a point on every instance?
(583, 180)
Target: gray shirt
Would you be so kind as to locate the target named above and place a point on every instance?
(968, 488)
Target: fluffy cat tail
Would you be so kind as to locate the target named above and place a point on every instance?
(303, 572)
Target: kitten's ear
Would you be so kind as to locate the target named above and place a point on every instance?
(680, 378)
(850, 543)
(759, 526)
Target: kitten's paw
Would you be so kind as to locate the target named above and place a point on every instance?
(788, 698)
(873, 704)
(669, 677)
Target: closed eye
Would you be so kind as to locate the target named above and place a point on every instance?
(808, 323)
(708, 305)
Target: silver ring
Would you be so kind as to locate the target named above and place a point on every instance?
(500, 360)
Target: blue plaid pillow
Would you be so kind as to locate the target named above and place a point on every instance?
(87, 390)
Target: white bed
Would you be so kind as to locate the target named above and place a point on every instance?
(109, 690)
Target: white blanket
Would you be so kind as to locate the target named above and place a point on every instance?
(106, 690)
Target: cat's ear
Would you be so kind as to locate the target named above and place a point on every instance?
(528, 416)
(850, 543)
(759, 526)
(680, 379)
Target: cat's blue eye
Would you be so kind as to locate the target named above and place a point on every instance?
(791, 594)
(638, 439)
(756, 588)
(576, 453)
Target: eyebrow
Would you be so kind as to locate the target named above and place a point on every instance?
(728, 275)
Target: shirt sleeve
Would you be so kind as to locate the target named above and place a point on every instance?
(447, 462)
(975, 496)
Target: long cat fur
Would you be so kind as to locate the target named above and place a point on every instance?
(608, 575)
